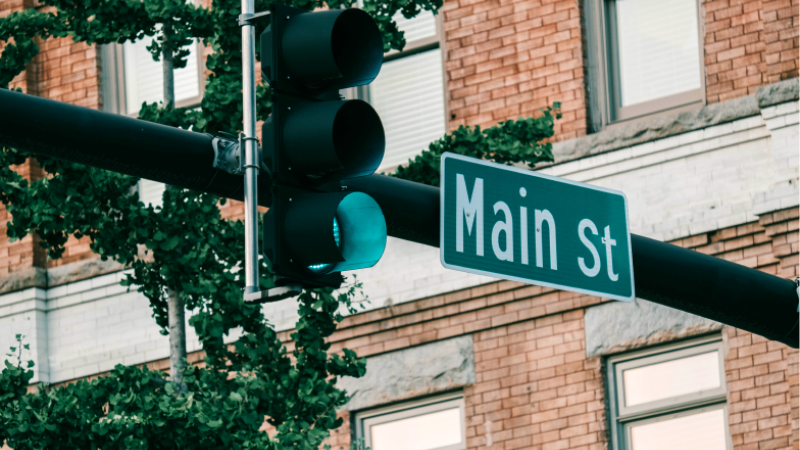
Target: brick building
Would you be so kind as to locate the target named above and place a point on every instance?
(690, 107)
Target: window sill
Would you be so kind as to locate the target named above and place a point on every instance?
(660, 114)
(669, 123)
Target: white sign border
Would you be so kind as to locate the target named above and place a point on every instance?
(523, 280)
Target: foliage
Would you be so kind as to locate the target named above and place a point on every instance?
(509, 142)
(190, 246)
(224, 404)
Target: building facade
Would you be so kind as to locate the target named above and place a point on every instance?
(690, 107)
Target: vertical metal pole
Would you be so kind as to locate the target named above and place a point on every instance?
(250, 151)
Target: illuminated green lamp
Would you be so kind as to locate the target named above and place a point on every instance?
(356, 239)
(324, 268)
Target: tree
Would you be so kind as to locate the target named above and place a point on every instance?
(194, 253)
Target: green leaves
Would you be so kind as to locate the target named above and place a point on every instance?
(520, 141)
(191, 246)
(186, 244)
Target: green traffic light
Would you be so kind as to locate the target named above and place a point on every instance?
(359, 231)
(323, 268)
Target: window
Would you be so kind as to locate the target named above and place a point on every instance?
(408, 94)
(645, 57)
(131, 77)
(144, 77)
(670, 398)
(432, 424)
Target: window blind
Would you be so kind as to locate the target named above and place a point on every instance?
(658, 48)
(144, 77)
(150, 192)
(703, 431)
(420, 27)
(409, 97)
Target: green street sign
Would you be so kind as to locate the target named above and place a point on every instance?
(525, 226)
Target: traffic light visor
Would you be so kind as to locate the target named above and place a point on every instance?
(334, 139)
(332, 49)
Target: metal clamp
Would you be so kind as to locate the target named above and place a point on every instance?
(242, 165)
(245, 20)
(228, 154)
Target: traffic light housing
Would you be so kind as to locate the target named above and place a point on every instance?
(314, 139)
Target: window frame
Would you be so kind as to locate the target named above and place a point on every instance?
(603, 80)
(413, 408)
(622, 418)
(113, 80)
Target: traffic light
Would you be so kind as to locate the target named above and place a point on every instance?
(314, 139)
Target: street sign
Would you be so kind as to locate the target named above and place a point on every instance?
(525, 226)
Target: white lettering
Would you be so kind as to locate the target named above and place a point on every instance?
(609, 264)
(506, 226)
(472, 209)
(523, 223)
(541, 217)
(586, 223)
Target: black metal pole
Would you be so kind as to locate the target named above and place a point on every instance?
(716, 289)
(117, 143)
(676, 277)
(663, 273)
(411, 209)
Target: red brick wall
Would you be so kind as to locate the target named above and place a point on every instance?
(535, 388)
(781, 37)
(65, 71)
(533, 380)
(68, 72)
(749, 44)
(762, 392)
(734, 48)
(509, 59)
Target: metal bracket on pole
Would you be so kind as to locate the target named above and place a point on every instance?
(242, 165)
(251, 19)
(274, 294)
(228, 155)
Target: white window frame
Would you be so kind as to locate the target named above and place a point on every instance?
(113, 80)
(622, 417)
(413, 48)
(602, 81)
(364, 420)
